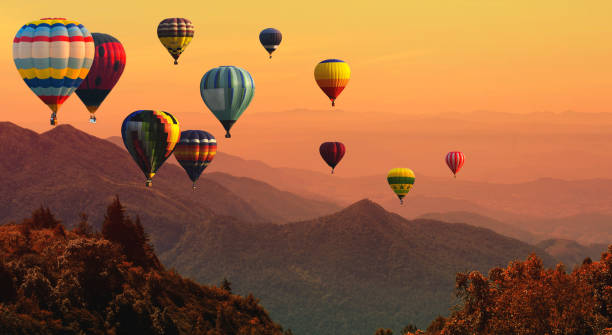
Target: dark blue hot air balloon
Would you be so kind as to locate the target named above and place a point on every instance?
(270, 38)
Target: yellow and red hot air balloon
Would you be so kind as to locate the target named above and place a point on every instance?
(332, 76)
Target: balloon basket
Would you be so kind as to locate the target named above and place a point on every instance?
(148, 183)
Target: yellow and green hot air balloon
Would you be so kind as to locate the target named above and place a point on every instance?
(332, 76)
(401, 181)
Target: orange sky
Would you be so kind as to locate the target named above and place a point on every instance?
(407, 57)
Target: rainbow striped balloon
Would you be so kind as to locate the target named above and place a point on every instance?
(53, 56)
(332, 76)
(194, 151)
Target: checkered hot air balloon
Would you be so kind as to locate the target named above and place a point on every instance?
(150, 137)
(332, 76)
(455, 160)
(194, 151)
(175, 34)
(108, 65)
(227, 91)
(401, 181)
(53, 56)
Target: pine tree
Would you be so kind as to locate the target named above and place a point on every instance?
(83, 228)
(226, 285)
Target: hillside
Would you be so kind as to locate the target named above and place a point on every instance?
(54, 281)
(485, 222)
(570, 252)
(346, 273)
(73, 172)
(546, 207)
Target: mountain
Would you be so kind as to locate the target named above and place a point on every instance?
(546, 207)
(54, 281)
(570, 252)
(73, 172)
(346, 273)
(485, 222)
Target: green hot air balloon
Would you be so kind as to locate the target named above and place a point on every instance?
(150, 137)
(227, 91)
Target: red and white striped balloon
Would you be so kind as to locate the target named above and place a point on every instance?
(455, 160)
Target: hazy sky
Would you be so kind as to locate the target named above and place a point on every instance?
(408, 57)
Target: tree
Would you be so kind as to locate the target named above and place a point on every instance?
(382, 331)
(83, 228)
(410, 328)
(226, 285)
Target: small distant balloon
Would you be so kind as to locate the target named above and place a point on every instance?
(455, 160)
(401, 181)
(270, 39)
(194, 151)
(175, 34)
(227, 91)
(332, 76)
(150, 137)
(332, 153)
(108, 65)
(53, 56)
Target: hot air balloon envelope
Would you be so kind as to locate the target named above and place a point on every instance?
(401, 181)
(227, 91)
(332, 153)
(53, 56)
(270, 38)
(175, 34)
(108, 65)
(150, 137)
(194, 151)
(332, 76)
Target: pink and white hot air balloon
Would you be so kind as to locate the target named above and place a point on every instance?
(455, 160)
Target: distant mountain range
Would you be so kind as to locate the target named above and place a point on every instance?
(545, 208)
(572, 253)
(72, 172)
(356, 269)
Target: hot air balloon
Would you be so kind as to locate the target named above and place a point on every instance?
(332, 76)
(455, 160)
(53, 56)
(175, 34)
(150, 136)
(108, 65)
(194, 151)
(401, 181)
(270, 38)
(227, 91)
(332, 153)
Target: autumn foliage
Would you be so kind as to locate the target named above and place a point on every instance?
(526, 298)
(55, 281)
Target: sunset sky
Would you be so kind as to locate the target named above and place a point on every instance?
(408, 58)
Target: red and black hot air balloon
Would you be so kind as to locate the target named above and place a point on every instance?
(455, 160)
(107, 67)
(332, 153)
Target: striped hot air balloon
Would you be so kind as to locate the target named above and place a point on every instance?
(53, 56)
(150, 137)
(332, 76)
(108, 65)
(332, 153)
(401, 181)
(175, 34)
(270, 38)
(194, 151)
(455, 160)
(227, 91)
